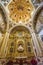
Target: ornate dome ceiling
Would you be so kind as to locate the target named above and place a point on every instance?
(20, 10)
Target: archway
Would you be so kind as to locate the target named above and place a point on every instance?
(38, 25)
(19, 46)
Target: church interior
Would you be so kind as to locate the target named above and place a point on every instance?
(21, 32)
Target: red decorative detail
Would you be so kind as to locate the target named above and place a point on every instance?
(9, 62)
(33, 62)
(21, 62)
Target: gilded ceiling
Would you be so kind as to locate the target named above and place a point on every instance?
(20, 10)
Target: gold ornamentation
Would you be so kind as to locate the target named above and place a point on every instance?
(20, 10)
(20, 47)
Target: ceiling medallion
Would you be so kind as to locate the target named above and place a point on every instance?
(20, 10)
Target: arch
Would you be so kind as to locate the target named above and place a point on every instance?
(36, 14)
(4, 24)
(22, 42)
(4, 14)
(20, 25)
(37, 22)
